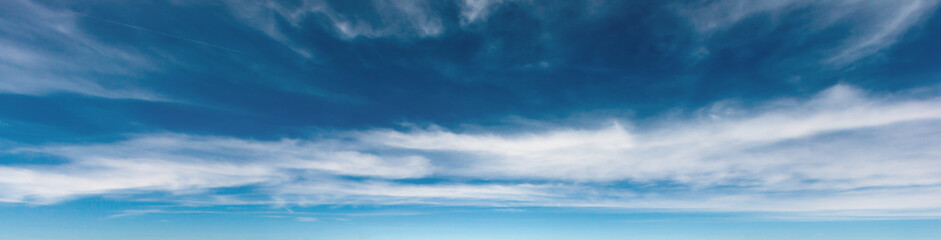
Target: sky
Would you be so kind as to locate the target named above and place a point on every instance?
(470, 119)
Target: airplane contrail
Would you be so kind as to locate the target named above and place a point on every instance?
(160, 33)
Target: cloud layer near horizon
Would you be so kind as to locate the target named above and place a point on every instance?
(841, 150)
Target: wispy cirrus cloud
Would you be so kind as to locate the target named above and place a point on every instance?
(182, 163)
(679, 150)
(476, 10)
(400, 19)
(874, 25)
(841, 150)
(44, 52)
(885, 27)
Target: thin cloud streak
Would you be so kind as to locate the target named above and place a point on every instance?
(84, 65)
(397, 19)
(139, 28)
(877, 25)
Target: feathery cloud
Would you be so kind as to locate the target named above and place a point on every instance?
(875, 25)
(44, 52)
(842, 150)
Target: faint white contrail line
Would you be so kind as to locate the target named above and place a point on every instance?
(159, 33)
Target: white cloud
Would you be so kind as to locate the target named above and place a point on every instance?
(396, 19)
(185, 164)
(476, 10)
(841, 151)
(874, 25)
(43, 52)
(690, 151)
(888, 22)
(385, 193)
(720, 15)
(305, 219)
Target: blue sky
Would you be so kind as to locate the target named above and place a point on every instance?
(474, 119)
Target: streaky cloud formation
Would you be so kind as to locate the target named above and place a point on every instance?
(75, 62)
(878, 24)
(405, 19)
(840, 150)
(476, 10)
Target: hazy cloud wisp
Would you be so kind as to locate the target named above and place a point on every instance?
(840, 150)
